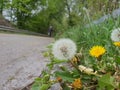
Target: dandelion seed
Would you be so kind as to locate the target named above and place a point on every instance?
(64, 49)
(115, 35)
(97, 51)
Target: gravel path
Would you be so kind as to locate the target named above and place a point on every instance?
(21, 59)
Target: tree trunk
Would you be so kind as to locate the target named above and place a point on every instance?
(1, 6)
(69, 12)
(19, 19)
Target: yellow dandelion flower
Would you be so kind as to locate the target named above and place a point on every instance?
(97, 51)
(117, 44)
(77, 84)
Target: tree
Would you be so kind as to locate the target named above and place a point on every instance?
(37, 15)
(23, 10)
(50, 12)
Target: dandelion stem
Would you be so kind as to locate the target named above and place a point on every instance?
(74, 66)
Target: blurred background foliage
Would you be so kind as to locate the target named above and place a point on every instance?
(38, 15)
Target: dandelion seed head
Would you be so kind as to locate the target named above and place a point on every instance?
(64, 49)
(115, 35)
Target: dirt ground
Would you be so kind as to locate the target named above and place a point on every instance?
(21, 59)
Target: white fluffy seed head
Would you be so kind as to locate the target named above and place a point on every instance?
(64, 49)
(115, 35)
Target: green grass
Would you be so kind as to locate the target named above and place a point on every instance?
(96, 34)
(100, 34)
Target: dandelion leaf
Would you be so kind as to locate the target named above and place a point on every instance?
(65, 75)
(117, 60)
(44, 87)
(106, 82)
(35, 86)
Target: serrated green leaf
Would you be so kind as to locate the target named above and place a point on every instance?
(44, 87)
(38, 80)
(106, 81)
(57, 61)
(65, 75)
(76, 74)
(35, 87)
(46, 78)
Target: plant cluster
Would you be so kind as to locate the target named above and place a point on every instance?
(86, 69)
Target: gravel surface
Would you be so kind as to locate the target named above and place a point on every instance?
(21, 59)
